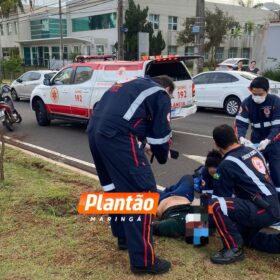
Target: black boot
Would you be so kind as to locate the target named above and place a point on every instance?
(227, 256)
(159, 267)
(122, 243)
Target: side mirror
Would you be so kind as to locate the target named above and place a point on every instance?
(19, 80)
(47, 82)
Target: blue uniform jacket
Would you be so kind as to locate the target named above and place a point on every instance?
(139, 107)
(245, 167)
(264, 119)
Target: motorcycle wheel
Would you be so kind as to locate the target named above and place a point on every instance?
(8, 124)
(18, 116)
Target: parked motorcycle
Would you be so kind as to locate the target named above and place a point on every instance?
(8, 114)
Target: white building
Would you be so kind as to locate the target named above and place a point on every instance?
(90, 27)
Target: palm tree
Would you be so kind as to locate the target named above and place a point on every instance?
(249, 4)
(8, 6)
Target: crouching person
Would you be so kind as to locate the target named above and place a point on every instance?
(243, 173)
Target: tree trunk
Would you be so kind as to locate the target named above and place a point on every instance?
(2, 156)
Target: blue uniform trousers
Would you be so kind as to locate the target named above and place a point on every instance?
(272, 156)
(242, 223)
(123, 167)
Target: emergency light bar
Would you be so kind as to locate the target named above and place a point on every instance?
(169, 57)
(86, 58)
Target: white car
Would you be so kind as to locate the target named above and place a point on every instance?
(23, 86)
(226, 89)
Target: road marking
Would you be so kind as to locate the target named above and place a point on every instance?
(199, 159)
(192, 134)
(59, 155)
(221, 117)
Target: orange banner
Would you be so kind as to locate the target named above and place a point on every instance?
(118, 203)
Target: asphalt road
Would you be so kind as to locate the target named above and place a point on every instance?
(191, 137)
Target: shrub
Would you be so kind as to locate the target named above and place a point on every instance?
(272, 74)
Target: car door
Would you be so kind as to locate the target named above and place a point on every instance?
(59, 94)
(81, 92)
(20, 84)
(32, 81)
(202, 93)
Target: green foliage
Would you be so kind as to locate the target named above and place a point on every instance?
(12, 65)
(186, 36)
(249, 4)
(272, 74)
(8, 6)
(136, 21)
(218, 23)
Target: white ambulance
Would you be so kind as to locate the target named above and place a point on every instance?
(72, 93)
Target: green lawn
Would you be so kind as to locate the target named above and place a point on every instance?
(43, 237)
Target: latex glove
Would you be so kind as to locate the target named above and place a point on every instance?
(148, 150)
(245, 142)
(263, 144)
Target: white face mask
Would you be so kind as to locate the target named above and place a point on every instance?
(258, 99)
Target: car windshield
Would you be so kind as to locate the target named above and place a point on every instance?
(247, 75)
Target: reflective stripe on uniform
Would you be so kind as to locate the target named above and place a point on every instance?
(207, 191)
(159, 141)
(277, 189)
(139, 100)
(256, 125)
(108, 188)
(222, 203)
(250, 174)
(245, 120)
(277, 122)
(267, 124)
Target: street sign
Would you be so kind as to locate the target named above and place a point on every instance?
(195, 29)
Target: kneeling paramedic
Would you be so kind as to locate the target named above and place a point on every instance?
(262, 110)
(129, 112)
(242, 172)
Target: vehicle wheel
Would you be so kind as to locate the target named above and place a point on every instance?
(8, 124)
(14, 95)
(232, 105)
(41, 113)
(18, 116)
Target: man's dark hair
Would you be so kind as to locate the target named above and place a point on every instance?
(165, 81)
(260, 82)
(253, 61)
(224, 136)
(213, 158)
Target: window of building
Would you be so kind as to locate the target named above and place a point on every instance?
(232, 52)
(220, 54)
(9, 28)
(35, 55)
(47, 28)
(105, 21)
(83, 74)
(1, 29)
(245, 52)
(76, 49)
(88, 50)
(65, 52)
(5, 52)
(100, 49)
(113, 49)
(55, 53)
(189, 50)
(16, 27)
(172, 50)
(154, 20)
(172, 23)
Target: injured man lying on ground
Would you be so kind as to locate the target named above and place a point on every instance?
(176, 202)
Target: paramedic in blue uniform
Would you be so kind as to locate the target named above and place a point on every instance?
(242, 173)
(262, 111)
(128, 113)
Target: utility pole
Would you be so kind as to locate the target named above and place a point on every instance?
(120, 30)
(61, 35)
(199, 37)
